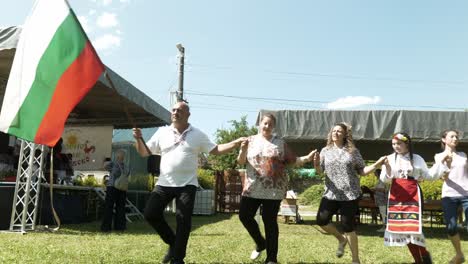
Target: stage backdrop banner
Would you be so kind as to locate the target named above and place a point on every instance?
(88, 145)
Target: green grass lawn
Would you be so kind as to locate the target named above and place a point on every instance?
(214, 239)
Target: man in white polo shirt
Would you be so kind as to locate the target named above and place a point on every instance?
(179, 145)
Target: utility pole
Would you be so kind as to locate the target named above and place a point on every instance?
(180, 91)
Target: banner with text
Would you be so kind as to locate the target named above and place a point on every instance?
(89, 146)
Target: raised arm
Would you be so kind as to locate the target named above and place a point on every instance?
(317, 167)
(307, 158)
(226, 147)
(438, 169)
(140, 144)
(242, 157)
(371, 168)
(442, 165)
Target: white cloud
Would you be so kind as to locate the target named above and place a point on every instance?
(106, 2)
(124, 1)
(107, 20)
(85, 24)
(352, 101)
(106, 42)
(92, 12)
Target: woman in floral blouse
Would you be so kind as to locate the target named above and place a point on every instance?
(342, 163)
(266, 157)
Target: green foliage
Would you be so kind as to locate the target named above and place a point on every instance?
(432, 190)
(206, 178)
(78, 181)
(90, 181)
(143, 182)
(312, 195)
(293, 174)
(298, 181)
(238, 129)
(369, 181)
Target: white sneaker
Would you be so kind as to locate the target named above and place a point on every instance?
(341, 247)
(255, 254)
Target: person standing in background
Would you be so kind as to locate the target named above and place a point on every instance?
(116, 194)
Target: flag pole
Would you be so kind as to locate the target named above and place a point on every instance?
(127, 113)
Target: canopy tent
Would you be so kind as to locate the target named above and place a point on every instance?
(372, 130)
(102, 105)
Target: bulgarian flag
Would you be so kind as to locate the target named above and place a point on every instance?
(54, 67)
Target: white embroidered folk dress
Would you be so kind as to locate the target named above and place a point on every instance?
(402, 168)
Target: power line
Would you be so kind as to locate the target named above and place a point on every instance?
(336, 76)
(221, 108)
(249, 98)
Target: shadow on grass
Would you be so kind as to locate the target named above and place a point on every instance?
(141, 227)
(435, 232)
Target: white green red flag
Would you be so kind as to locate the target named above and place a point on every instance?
(54, 67)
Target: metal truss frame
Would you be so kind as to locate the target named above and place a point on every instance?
(28, 187)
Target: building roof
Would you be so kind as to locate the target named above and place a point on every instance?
(369, 125)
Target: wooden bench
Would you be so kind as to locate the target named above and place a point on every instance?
(432, 209)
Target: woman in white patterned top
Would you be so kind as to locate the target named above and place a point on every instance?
(266, 157)
(455, 188)
(342, 163)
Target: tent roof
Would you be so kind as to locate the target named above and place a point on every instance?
(102, 105)
(422, 126)
(126, 135)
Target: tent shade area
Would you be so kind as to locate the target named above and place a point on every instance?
(111, 103)
(103, 105)
(372, 129)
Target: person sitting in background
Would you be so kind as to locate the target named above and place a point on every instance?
(105, 164)
(61, 164)
(7, 161)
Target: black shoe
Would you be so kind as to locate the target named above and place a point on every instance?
(169, 256)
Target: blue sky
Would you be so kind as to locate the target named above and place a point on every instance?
(282, 54)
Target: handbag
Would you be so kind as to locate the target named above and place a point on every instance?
(154, 161)
(153, 164)
(121, 183)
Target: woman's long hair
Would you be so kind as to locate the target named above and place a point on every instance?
(348, 143)
(444, 134)
(407, 140)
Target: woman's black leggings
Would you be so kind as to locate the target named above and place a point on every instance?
(348, 211)
(248, 208)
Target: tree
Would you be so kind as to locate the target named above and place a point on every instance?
(238, 129)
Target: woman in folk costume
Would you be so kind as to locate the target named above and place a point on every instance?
(455, 188)
(404, 224)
